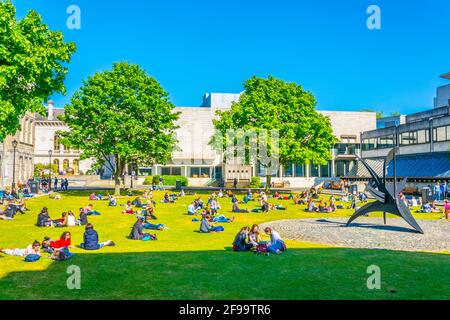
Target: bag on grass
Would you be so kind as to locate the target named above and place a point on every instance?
(32, 258)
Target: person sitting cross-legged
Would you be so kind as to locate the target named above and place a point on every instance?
(240, 241)
(90, 239)
(137, 231)
(205, 226)
(276, 244)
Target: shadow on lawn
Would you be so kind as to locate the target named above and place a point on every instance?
(331, 273)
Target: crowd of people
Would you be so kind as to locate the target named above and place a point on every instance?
(208, 213)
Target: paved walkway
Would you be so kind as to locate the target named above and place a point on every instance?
(368, 233)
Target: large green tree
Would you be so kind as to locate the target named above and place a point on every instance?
(32, 66)
(305, 136)
(121, 116)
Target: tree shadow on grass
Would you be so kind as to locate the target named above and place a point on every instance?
(332, 273)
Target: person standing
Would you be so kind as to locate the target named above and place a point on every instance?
(235, 182)
(437, 191)
(55, 185)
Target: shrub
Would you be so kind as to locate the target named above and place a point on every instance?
(168, 180)
(256, 183)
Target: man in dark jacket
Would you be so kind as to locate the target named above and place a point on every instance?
(83, 217)
(137, 232)
(91, 239)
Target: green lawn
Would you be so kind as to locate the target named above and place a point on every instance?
(184, 264)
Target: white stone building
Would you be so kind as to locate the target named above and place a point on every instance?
(46, 140)
(24, 155)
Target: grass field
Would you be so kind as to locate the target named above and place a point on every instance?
(184, 264)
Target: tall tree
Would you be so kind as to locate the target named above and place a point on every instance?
(121, 116)
(32, 66)
(305, 136)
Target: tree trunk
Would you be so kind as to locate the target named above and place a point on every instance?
(117, 174)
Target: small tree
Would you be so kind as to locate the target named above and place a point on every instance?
(121, 116)
(305, 136)
(32, 66)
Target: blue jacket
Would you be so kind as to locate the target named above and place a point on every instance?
(91, 240)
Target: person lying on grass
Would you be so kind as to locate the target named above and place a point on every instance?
(90, 210)
(276, 244)
(90, 239)
(219, 219)
(151, 226)
(240, 240)
(238, 210)
(128, 208)
(206, 227)
(34, 248)
(94, 197)
(137, 231)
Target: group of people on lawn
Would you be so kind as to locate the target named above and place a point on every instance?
(249, 239)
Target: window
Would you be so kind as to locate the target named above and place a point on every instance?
(325, 171)
(299, 170)
(171, 171)
(288, 170)
(314, 170)
(385, 142)
(423, 136)
(369, 144)
(440, 134)
(200, 172)
(56, 143)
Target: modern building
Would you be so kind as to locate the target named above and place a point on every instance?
(23, 155)
(202, 165)
(423, 141)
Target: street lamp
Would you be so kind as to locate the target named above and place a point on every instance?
(14, 144)
(50, 152)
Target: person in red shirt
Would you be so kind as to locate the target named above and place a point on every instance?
(63, 242)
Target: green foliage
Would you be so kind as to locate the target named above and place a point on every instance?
(121, 116)
(168, 180)
(32, 66)
(305, 135)
(256, 183)
(41, 170)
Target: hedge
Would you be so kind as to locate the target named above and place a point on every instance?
(168, 180)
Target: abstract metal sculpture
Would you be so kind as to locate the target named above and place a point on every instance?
(386, 195)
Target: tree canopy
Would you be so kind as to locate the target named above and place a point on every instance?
(33, 63)
(121, 116)
(305, 135)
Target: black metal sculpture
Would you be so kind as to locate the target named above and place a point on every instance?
(387, 198)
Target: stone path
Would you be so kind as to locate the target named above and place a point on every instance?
(367, 233)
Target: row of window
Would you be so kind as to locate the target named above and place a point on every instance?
(440, 134)
(341, 168)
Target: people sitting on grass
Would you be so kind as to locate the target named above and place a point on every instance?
(168, 199)
(32, 249)
(219, 219)
(112, 202)
(446, 209)
(429, 208)
(149, 211)
(90, 211)
(90, 239)
(43, 219)
(137, 231)
(276, 244)
(137, 203)
(83, 218)
(70, 220)
(192, 210)
(128, 208)
(150, 226)
(206, 227)
(240, 240)
(95, 197)
(65, 241)
(238, 210)
(254, 237)
(311, 206)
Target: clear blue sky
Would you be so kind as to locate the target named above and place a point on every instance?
(193, 47)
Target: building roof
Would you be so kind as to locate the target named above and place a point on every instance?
(414, 166)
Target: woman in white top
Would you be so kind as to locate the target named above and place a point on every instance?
(71, 221)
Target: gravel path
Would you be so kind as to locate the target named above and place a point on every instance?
(367, 233)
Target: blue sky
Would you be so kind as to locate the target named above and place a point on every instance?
(193, 47)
